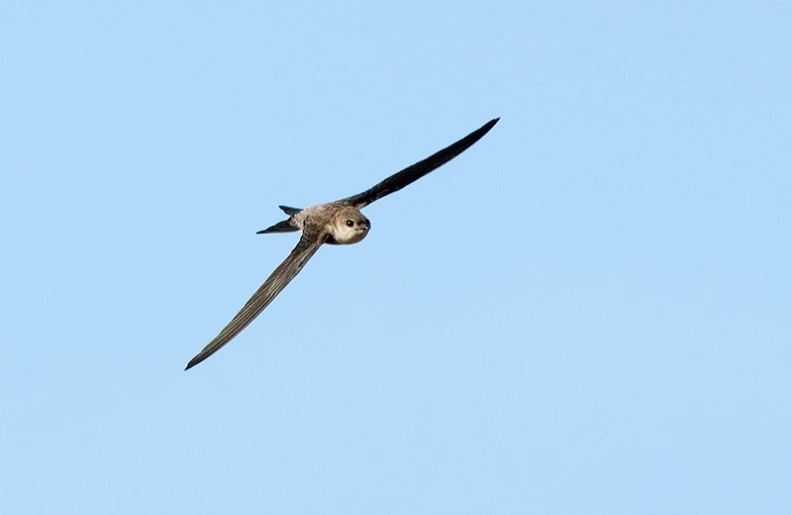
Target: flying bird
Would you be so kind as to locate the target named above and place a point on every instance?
(335, 223)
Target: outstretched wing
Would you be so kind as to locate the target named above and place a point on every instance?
(275, 283)
(412, 173)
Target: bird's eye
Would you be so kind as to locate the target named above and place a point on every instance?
(350, 223)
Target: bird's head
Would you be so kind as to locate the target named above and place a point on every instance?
(349, 226)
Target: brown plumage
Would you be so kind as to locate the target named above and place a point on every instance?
(338, 223)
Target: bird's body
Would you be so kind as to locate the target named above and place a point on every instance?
(343, 224)
(335, 223)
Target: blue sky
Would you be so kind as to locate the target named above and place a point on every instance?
(588, 312)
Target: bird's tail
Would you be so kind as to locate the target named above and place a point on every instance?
(285, 225)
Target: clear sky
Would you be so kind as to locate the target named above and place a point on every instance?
(589, 311)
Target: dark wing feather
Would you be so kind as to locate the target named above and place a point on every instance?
(412, 173)
(275, 283)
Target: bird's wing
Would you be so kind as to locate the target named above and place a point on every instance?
(309, 243)
(412, 173)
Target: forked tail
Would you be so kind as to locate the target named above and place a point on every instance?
(285, 225)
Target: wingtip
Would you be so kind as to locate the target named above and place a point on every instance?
(487, 127)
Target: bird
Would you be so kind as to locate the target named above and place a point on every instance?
(335, 223)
